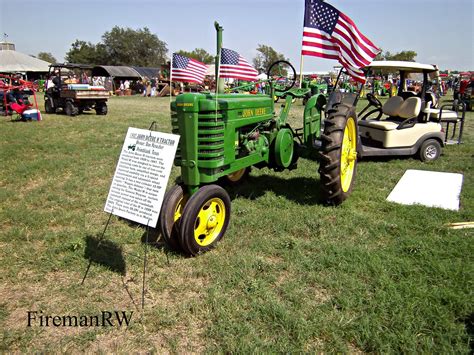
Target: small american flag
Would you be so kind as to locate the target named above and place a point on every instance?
(233, 65)
(328, 33)
(187, 69)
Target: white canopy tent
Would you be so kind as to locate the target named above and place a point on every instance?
(15, 62)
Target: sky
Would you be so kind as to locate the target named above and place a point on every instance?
(440, 31)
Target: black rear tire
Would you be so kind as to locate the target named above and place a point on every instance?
(430, 150)
(338, 161)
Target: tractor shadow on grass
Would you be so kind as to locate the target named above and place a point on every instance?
(302, 190)
(106, 253)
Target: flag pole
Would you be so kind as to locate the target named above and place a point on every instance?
(301, 69)
(218, 72)
(171, 80)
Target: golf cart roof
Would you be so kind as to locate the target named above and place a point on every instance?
(411, 67)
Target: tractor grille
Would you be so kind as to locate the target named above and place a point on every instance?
(175, 130)
(211, 136)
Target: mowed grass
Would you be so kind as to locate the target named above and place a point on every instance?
(290, 275)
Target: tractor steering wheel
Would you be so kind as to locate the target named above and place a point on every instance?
(373, 100)
(283, 74)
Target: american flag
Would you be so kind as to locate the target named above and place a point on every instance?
(187, 69)
(233, 65)
(328, 33)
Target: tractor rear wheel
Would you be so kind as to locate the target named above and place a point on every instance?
(170, 215)
(205, 219)
(338, 154)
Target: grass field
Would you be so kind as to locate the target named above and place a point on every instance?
(291, 275)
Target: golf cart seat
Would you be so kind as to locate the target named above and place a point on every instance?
(392, 106)
(402, 130)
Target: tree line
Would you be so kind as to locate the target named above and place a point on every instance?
(126, 46)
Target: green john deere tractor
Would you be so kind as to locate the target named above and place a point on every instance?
(223, 135)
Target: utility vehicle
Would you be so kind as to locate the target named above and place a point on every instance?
(72, 98)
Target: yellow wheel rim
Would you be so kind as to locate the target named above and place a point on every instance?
(348, 154)
(237, 175)
(209, 221)
(178, 211)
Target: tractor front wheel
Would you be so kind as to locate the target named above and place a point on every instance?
(338, 154)
(204, 220)
(170, 215)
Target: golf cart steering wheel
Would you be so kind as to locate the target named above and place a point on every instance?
(373, 100)
(283, 74)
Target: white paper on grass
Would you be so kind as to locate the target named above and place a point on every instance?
(428, 188)
(141, 175)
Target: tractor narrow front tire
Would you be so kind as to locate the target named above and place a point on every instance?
(205, 219)
(170, 215)
(338, 156)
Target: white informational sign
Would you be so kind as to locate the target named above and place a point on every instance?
(141, 175)
(428, 188)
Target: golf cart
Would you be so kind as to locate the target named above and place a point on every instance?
(65, 94)
(408, 123)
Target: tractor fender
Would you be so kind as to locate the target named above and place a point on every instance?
(318, 101)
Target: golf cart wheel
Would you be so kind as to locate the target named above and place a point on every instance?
(48, 107)
(101, 108)
(338, 154)
(237, 176)
(71, 109)
(430, 150)
(170, 215)
(205, 219)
